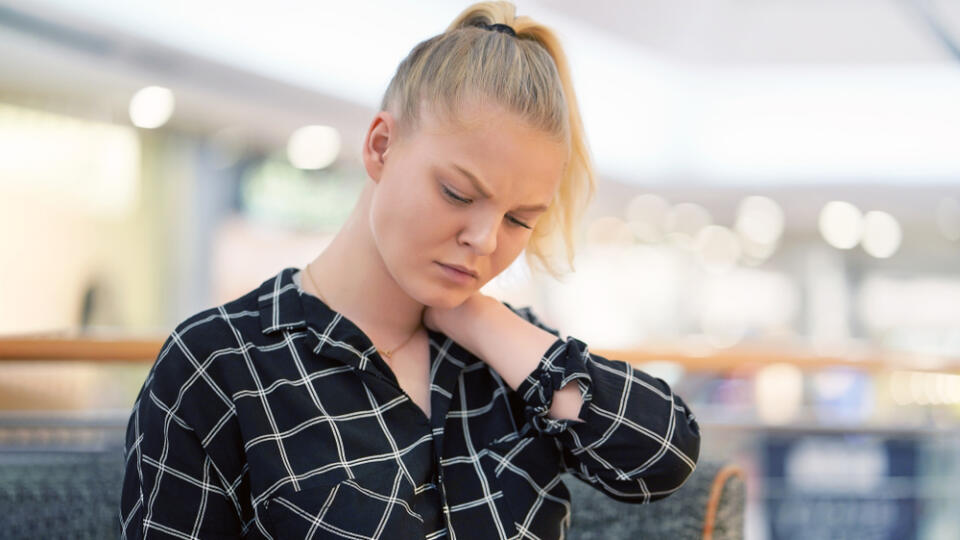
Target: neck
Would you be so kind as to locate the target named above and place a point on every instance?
(355, 281)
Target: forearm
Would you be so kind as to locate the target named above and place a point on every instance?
(513, 347)
(637, 441)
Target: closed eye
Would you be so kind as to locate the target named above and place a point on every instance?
(461, 200)
(455, 197)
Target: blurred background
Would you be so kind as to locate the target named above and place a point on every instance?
(776, 231)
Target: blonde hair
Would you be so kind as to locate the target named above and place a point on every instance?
(526, 74)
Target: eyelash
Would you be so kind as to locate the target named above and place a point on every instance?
(461, 200)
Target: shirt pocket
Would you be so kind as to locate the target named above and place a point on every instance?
(527, 470)
(378, 503)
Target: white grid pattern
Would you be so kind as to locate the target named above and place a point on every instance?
(272, 416)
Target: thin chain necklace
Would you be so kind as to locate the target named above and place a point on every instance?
(388, 352)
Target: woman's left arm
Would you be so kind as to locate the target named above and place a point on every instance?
(622, 430)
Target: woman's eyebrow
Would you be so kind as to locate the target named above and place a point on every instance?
(485, 191)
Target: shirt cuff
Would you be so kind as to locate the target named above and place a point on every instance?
(563, 362)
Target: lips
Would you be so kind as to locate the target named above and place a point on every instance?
(463, 269)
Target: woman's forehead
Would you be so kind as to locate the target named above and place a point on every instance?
(496, 130)
(497, 149)
(474, 114)
(495, 146)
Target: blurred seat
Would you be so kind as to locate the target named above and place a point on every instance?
(60, 494)
(76, 495)
(711, 505)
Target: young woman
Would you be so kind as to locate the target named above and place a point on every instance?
(375, 393)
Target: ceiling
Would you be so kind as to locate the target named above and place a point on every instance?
(673, 92)
(724, 32)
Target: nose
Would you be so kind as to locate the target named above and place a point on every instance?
(481, 234)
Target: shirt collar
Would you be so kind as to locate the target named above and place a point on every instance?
(279, 303)
(284, 305)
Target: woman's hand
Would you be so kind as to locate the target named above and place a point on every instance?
(483, 325)
(509, 344)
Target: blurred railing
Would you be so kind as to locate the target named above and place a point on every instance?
(79, 348)
(92, 349)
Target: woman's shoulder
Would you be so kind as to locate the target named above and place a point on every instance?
(210, 332)
(216, 325)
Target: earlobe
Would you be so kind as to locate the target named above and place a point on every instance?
(376, 144)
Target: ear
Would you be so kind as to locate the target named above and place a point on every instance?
(376, 142)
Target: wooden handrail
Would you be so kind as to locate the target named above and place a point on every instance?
(85, 348)
(749, 357)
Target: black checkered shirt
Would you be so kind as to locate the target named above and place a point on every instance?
(272, 416)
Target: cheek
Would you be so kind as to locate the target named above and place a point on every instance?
(507, 251)
(406, 221)
(395, 208)
(389, 223)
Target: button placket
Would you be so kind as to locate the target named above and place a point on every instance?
(443, 492)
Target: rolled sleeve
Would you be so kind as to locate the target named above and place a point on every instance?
(638, 441)
(556, 369)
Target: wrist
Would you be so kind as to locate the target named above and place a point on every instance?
(514, 347)
(478, 318)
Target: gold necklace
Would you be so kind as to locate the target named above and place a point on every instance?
(388, 352)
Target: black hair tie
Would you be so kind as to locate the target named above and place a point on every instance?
(498, 28)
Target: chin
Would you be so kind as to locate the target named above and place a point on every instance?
(444, 298)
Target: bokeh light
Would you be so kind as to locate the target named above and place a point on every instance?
(778, 392)
(313, 147)
(151, 107)
(881, 234)
(841, 224)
